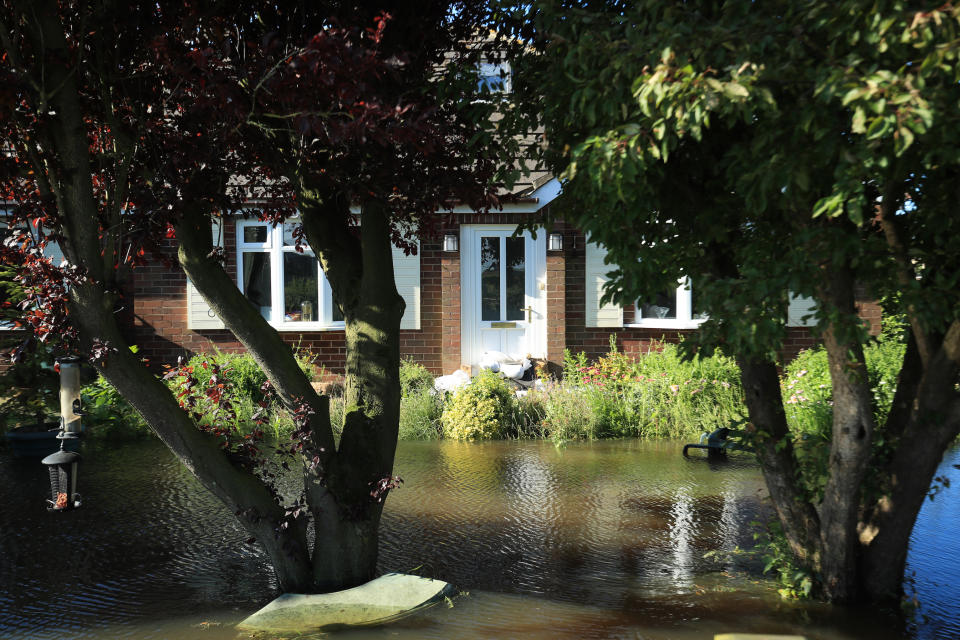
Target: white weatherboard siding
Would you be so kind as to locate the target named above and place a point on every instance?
(597, 315)
(797, 311)
(406, 273)
(199, 314)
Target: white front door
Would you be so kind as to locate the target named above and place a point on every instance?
(503, 292)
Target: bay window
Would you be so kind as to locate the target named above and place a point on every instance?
(287, 286)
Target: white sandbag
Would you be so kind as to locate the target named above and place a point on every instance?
(494, 360)
(452, 382)
(515, 371)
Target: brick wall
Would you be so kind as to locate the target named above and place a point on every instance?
(160, 317)
(159, 313)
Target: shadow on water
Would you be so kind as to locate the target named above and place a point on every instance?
(593, 540)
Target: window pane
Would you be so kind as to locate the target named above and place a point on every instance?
(256, 281)
(288, 238)
(698, 314)
(491, 78)
(516, 278)
(490, 278)
(300, 287)
(255, 233)
(664, 306)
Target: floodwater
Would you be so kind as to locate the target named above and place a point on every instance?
(592, 540)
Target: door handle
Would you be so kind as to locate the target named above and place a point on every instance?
(529, 311)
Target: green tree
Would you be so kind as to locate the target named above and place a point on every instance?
(761, 148)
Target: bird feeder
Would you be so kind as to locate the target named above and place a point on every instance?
(62, 467)
(70, 394)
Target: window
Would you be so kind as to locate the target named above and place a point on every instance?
(286, 286)
(672, 309)
(493, 77)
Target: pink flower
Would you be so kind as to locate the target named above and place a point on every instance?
(675, 388)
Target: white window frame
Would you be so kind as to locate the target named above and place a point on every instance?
(684, 319)
(273, 246)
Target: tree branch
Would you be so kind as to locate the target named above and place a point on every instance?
(327, 224)
(906, 275)
(263, 342)
(774, 447)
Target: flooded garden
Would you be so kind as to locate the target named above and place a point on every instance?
(609, 539)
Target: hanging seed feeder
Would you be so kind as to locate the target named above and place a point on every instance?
(62, 467)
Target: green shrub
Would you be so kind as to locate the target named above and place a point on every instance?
(420, 405)
(420, 415)
(657, 395)
(109, 415)
(30, 389)
(568, 414)
(808, 400)
(338, 407)
(529, 415)
(414, 378)
(480, 410)
(246, 378)
(242, 371)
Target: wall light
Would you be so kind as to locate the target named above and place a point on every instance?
(450, 243)
(555, 242)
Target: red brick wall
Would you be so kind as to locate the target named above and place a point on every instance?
(160, 318)
(159, 313)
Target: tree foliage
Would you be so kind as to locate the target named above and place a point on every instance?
(128, 127)
(766, 148)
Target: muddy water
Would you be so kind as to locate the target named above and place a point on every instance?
(602, 540)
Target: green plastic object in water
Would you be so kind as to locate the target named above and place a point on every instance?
(389, 597)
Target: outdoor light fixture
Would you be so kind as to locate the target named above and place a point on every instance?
(62, 467)
(450, 243)
(555, 242)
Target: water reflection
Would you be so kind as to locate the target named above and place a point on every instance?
(602, 540)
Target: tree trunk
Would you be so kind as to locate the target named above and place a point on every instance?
(932, 424)
(852, 437)
(348, 503)
(761, 387)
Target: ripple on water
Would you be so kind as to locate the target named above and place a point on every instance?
(593, 540)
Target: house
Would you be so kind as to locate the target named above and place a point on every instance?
(473, 289)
